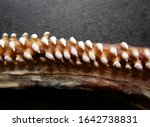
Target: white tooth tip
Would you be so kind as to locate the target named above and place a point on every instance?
(5, 35)
(147, 65)
(81, 45)
(49, 56)
(58, 55)
(147, 53)
(85, 59)
(117, 64)
(78, 62)
(113, 51)
(8, 59)
(27, 56)
(138, 66)
(25, 34)
(45, 41)
(12, 45)
(22, 40)
(96, 64)
(124, 45)
(104, 60)
(63, 42)
(73, 40)
(125, 56)
(13, 35)
(74, 51)
(99, 47)
(34, 36)
(53, 39)
(46, 33)
(67, 55)
(128, 67)
(2, 43)
(135, 53)
(19, 59)
(89, 44)
(92, 56)
(36, 47)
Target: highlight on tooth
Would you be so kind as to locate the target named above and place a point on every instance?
(63, 42)
(138, 66)
(125, 56)
(99, 47)
(13, 35)
(12, 45)
(81, 45)
(73, 40)
(147, 53)
(85, 58)
(74, 51)
(117, 64)
(135, 53)
(92, 55)
(53, 40)
(34, 36)
(22, 40)
(89, 44)
(8, 58)
(67, 55)
(49, 56)
(36, 47)
(27, 56)
(45, 40)
(58, 55)
(113, 51)
(104, 60)
(124, 45)
(2, 43)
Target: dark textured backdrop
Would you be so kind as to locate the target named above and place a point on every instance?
(98, 20)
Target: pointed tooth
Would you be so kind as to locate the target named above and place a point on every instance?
(81, 44)
(104, 60)
(28, 56)
(147, 64)
(2, 43)
(58, 55)
(89, 44)
(5, 35)
(47, 33)
(67, 55)
(125, 56)
(34, 36)
(53, 39)
(78, 62)
(36, 47)
(147, 53)
(128, 67)
(135, 53)
(63, 42)
(85, 58)
(22, 40)
(19, 58)
(113, 51)
(100, 47)
(45, 40)
(74, 51)
(92, 55)
(13, 35)
(12, 45)
(8, 58)
(138, 66)
(73, 40)
(25, 34)
(124, 45)
(49, 56)
(96, 64)
(117, 64)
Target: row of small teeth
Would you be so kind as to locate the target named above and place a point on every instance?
(73, 51)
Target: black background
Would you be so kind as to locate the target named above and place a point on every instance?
(98, 20)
